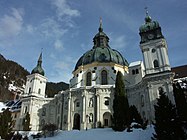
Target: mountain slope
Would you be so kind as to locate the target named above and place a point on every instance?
(54, 88)
(13, 77)
(10, 73)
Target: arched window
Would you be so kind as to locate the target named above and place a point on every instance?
(143, 114)
(142, 100)
(44, 111)
(29, 90)
(155, 62)
(137, 71)
(160, 90)
(88, 79)
(42, 122)
(39, 91)
(65, 119)
(58, 120)
(76, 103)
(133, 72)
(58, 109)
(104, 80)
(107, 101)
(25, 109)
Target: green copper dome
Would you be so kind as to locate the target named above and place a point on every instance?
(38, 69)
(149, 25)
(101, 52)
(150, 30)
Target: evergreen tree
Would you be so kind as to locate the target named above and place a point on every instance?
(167, 126)
(26, 122)
(6, 124)
(181, 103)
(49, 127)
(135, 115)
(120, 105)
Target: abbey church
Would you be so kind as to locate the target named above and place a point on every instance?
(88, 101)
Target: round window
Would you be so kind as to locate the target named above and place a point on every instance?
(153, 50)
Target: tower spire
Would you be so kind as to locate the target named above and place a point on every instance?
(146, 11)
(147, 17)
(38, 69)
(40, 60)
(100, 25)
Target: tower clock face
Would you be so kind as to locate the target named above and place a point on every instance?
(150, 36)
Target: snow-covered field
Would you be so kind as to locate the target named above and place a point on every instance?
(99, 134)
(103, 134)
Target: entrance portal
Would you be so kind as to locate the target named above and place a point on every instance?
(76, 121)
(107, 119)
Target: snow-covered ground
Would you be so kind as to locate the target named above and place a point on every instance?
(103, 134)
(2, 105)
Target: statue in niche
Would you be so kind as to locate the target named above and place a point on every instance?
(91, 102)
(90, 118)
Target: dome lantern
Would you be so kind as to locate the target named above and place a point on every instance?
(101, 52)
(100, 39)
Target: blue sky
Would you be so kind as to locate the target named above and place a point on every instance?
(65, 29)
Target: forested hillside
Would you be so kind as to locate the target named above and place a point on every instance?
(13, 77)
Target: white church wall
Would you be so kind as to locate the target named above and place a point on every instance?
(35, 85)
(136, 73)
(79, 78)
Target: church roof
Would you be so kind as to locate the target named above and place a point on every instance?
(135, 63)
(38, 69)
(101, 52)
(180, 71)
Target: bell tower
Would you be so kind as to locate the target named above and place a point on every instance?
(33, 98)
(158, 76)
(154, 47)
(36, 82)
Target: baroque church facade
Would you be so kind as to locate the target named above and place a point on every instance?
(88, 101)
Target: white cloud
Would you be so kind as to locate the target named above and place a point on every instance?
(30, 28)
(65, 12)
(52, 55)
(63, 9)
(84, 46)
(58, 45)
(58, 76)
(51, 28)
(118, 42)
(66, 63)
(11, 25)
(63, 69)
(61, 65)
(126, 17)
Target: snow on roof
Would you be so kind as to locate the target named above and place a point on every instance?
(135, 63)
(2, 105)
(11, 87)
